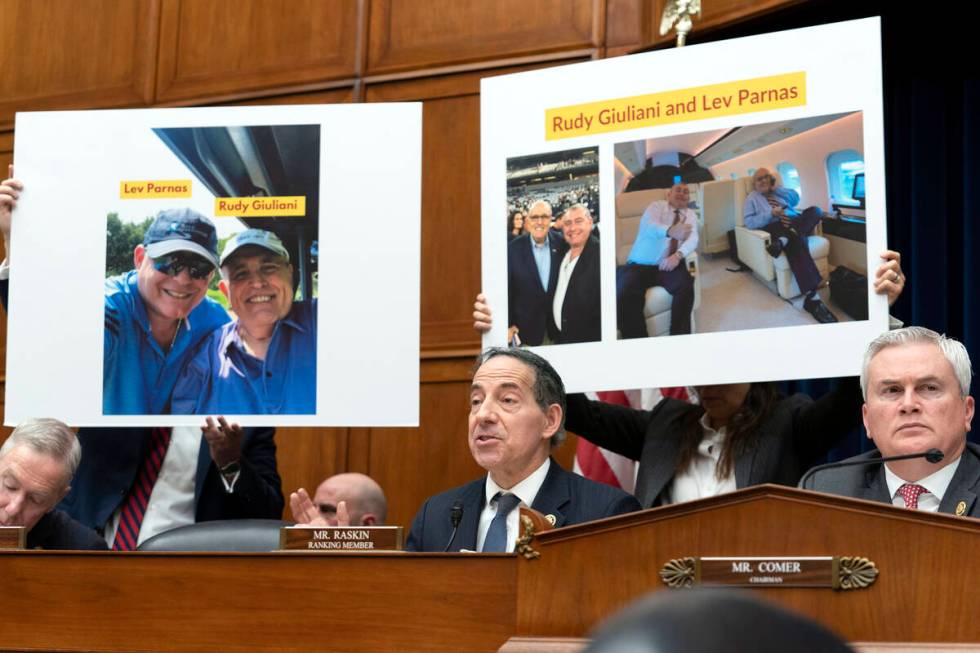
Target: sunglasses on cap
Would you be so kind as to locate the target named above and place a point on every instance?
(174, 264)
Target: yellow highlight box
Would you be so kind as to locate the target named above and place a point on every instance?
(133, 190)
(698, 103)
(260, 206)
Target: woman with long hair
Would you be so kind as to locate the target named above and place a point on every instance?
(516, 226)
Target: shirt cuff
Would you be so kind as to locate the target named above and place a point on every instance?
(5, 270)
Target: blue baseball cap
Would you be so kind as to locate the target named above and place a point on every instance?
(257, 238)
(182, 230)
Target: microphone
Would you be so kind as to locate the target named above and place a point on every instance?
(456, 516)
(932, 455)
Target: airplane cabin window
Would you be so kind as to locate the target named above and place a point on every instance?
(790, 175)
(842, 167)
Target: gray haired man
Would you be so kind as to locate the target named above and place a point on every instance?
(37, 463)
(916, 386)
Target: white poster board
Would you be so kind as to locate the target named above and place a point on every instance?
(806, 104)
(340, 187)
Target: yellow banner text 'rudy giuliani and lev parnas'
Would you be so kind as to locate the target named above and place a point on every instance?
(698, 103)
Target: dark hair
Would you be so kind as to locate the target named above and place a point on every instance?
(510, 222)
(548, 387)
(742, 429)
(739, 623)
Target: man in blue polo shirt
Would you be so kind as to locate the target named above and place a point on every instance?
(265, 361)
(158, 313)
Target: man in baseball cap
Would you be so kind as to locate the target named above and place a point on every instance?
(265, 361)
(158, 313)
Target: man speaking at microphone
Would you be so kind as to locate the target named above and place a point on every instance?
(517, 416)
(916, 386)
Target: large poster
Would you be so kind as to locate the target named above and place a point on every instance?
(740, 187)
(178, 263)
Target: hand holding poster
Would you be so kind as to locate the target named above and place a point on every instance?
(690, 216)
(212, 235)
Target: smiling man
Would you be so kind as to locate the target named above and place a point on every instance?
(157, 313)
(265, 361)
(575, 313)
(916, 386)
(668, 232)
(37, 463)
(517, 415)
(532, 261)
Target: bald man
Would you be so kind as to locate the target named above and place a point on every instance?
(668, 232)
(348, 499)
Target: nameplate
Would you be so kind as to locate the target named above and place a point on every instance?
(341, 538)
(13, 537)
(836, 572)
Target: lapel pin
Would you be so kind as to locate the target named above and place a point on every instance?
(552, 519)
(961, 508)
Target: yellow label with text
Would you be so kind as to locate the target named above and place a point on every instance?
(698, 103)
(133, 190)
(260, 206)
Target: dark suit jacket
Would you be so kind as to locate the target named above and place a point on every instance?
(868, 481)
(571, 498)
(798, 431)
(528, 304)
(112, 456)
(58, 531)
(580, 312)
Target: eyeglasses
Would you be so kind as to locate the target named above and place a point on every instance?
(174, 264)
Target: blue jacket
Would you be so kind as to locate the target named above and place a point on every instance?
(757, 211)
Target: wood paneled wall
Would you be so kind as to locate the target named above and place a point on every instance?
(76, 54)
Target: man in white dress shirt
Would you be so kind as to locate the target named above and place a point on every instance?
(668, 232)
(575, 311)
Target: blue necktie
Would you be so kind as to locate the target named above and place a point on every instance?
(496, 539)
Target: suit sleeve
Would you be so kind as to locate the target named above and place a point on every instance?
(819, 425)
(623, 505)
(416, 535)
(612, 427)
(258, 491)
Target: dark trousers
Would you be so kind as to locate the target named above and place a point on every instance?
(797, 250)
(632, 281)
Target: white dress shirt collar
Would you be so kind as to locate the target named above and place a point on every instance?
(526, 490)
(936, 483)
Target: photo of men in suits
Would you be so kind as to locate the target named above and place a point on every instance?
(553, 267)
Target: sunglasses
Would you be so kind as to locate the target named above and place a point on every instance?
(174, 264)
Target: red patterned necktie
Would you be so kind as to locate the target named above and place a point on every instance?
(910, 492)
(134, 507)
